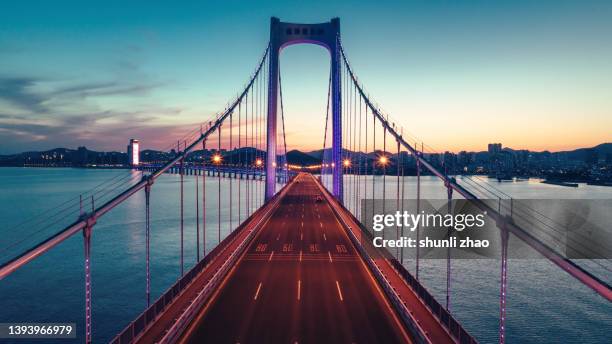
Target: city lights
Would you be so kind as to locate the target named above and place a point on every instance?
(216, 158)
(258, 162)
(346, 163)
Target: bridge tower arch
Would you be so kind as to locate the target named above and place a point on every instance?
(282, 35)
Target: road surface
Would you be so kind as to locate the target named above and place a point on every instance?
(300, 281)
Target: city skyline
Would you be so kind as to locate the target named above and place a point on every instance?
(533, 76)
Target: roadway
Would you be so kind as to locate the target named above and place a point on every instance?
(300, 281)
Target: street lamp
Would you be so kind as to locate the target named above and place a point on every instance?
(216, 158)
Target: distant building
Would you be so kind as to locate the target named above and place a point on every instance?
(133, 152)
(81, 157)
(495, 148)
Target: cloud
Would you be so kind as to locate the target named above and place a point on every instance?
(18, 91)
(37, 111)
(105, 89)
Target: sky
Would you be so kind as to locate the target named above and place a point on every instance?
(456, 74)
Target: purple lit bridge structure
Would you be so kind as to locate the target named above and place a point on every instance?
(297, 248)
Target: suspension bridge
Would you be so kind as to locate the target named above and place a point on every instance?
(296, 261)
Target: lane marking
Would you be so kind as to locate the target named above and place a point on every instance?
(300, 255)
(278, 237)
(299, 293)
(324, 237)
(321, 224)
(258, 289)
(302, 223)
(330, 258)
(301, 235)
(271, 255)
(339, 291)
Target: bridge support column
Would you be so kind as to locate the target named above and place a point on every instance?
(338, 183)
(281, 35)
(274, 50)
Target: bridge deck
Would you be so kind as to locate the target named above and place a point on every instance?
(299, 279)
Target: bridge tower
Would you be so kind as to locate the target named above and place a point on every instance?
(285, 34)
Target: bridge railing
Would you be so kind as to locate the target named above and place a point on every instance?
(445, 317)
(149, 315)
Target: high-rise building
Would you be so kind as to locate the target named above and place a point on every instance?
(133, 152)
(495, 148)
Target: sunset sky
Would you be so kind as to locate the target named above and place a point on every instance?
(532, 75)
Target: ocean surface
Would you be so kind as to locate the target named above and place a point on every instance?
(544, 304)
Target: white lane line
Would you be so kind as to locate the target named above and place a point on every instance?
(339, 291)
(278, 237)
(300, 255)
(302, 223)
(302, 236)
(299, 292)
(271, 255)
(324, 237)
(330, 258)
(321, 224)
(257, 292)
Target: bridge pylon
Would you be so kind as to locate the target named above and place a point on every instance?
(282, 35)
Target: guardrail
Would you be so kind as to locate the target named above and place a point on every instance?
(151, 314)
(446, 319)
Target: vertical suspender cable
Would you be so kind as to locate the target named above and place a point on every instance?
(374, 163)
(204, 198)
(448, 251)
(360, 168)
(197, 199)
(418, 206)
(397, 197)
(246, 154)
(280, 89)
(365, 151)
(349, 148)
(181, 167)
(231, 179)
(323, 163)
(219, 188)
(239, 165)
(384, 171)
(355, 151)
(503, 285)
(147, 241)
(252, 145)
